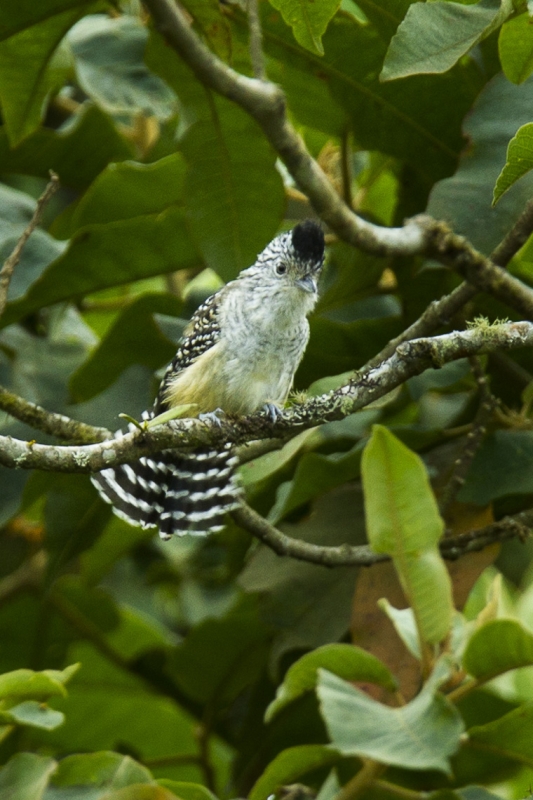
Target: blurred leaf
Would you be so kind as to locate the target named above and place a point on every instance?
(30, 69)
(188, 791)
(24, 14)
(210, 20)
(226, 149)
(519, 161)
(25, 776)
(501, 466)
(134, 338)
(34, 714)
(464, 200)
(289, 589)
(109, 64)
(77, 153)
(498, 646)
(434, 36)
(308, 20)
(289, 765)
(25, 683)
(403, 521)
(509, 736)
(515, 46)
(240, 642)
(347, 661)
(431, 727)
(404, 623)
(104, 769)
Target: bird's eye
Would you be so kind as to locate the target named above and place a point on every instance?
(281, 269)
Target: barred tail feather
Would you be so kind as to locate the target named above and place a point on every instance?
(177, 492)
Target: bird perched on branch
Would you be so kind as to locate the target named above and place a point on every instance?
(238, 354)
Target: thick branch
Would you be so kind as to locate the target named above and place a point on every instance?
(11, 261)
(265, 102)
(410, 358)
(62, 427)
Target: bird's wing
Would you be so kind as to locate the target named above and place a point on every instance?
(200, 335)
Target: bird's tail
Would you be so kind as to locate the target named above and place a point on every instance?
(177, 492)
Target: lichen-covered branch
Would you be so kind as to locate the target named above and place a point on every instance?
(70, 430)
(411, 358)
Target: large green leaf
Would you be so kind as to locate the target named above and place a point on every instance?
(289, 765)
(106, 770)
(358, 725)
(34, 714)
(465, 199)
(134, 338)
(108, 55)
(77, 153)
(27, 684)
(498, 646)
(308, 20)
(230, 165)
(417, 119)
(434, 36)
(515, 45)
(502, 466)
(508, 736)
(347, 661)
(403, 521)
(19, 16)
(30, 68)
(25, 776)
(519, 161)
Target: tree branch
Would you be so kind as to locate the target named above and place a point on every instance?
(11, 261)
(411, 358)
(58, 425)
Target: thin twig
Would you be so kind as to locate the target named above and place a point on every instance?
(12, 260)
(256, 40)
(516, 238)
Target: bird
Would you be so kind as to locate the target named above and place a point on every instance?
(238, 354)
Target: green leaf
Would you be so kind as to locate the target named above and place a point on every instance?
(186, 790)
(25, 776)
(515, 46)
(464, 200)
(291, 764)
(430, 726)
(230, 164)
(509, 736)
(76, 153)
(498, 646)
(501, 466)
(403, 521)
(109, 65)
(434, 36)
(134, 338)
(35, 715)
(104, 769)
(347, 661)
(404, 623)
(25, 683)
(519, 161)
(30, 69)
(24, 14)
(308, 20)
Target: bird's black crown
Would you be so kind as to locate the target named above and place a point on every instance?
(308, 241)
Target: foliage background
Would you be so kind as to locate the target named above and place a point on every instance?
(167, 190)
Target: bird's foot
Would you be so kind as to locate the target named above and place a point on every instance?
(273, 411)
(212, 417)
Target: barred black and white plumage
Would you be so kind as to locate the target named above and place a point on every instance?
(239, 352)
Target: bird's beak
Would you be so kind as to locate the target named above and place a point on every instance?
(307, 283)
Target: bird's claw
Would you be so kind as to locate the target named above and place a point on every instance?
(212, 417)
(273, 411)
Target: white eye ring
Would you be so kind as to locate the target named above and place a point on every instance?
(281, 269)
